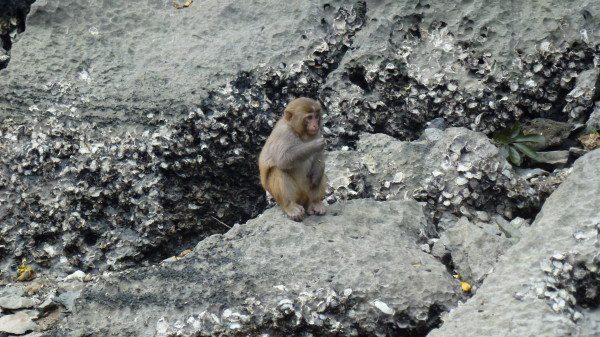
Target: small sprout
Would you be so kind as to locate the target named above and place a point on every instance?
(24, 272)
(514, 144)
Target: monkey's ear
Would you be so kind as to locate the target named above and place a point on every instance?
(287, 114)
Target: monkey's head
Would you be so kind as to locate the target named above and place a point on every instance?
(303, 115)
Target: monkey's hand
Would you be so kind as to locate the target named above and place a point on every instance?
(320, 143)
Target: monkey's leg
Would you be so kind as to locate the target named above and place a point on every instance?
(316, 198)
(286, 193)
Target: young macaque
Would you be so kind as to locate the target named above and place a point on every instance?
(292, 161)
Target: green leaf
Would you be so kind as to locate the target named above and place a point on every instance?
(530, 139)
(514, 156)
(502, 136)
(526, 150)
(515, 130)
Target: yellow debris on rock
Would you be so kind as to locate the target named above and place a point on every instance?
(590, 141)
(466, 287)
(24, 272)
(187, 3)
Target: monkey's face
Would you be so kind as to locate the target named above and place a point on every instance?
(311, 123)
(304, 116)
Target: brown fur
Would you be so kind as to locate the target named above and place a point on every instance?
(291, 162)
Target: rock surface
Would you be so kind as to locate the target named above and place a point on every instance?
(155, 115)
(549, 281)
(593, 123)
(456, 170)
(13, 14)
(554, 158)
(16, 302)
(473, 249)
(554, 132)
(16, 324)
(358, 269)
(129, 131)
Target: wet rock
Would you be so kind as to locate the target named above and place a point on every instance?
(357, 269)
(16, 324)
(554, 132)
(545, 277)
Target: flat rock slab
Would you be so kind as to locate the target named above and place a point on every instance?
(128, 58)
(357, 269)
(558, 252)
(16, 324)
(12, 302)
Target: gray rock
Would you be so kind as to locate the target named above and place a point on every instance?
(12, 18)
(456, 171)
(581, 98)
(411, 68)
(576, 152)
(156, 62)
(474, 251)
(16, 324)
(34, 334)
(530, 173)
(12, 290)
(437, 123)
(13, 302)
(68, 298)
(131, 138)
(111, 124)
(509, 229)
(358, 268)
(514, 300)
(554, 132)
(555, 158)
(593, 122)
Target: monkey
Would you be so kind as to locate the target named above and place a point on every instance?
(292, 160)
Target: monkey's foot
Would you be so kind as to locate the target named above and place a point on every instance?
(295, 212)
(317, 208)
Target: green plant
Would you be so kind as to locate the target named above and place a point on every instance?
(513, 144)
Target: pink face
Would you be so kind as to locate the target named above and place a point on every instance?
(311, 121)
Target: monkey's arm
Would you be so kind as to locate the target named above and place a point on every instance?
(315, 173)
(285, 149)
(289, 156)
